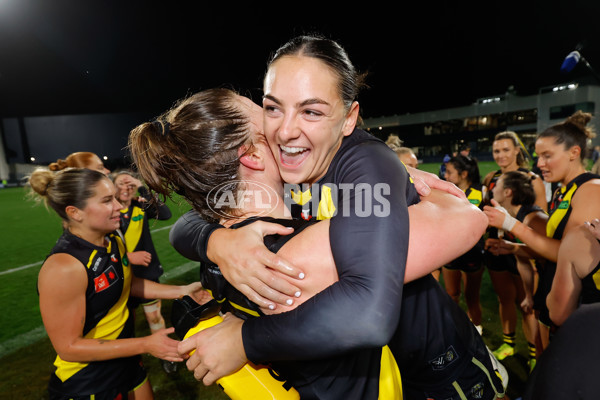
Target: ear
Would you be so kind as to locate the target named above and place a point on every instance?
(351, 118)
(74, 213)
(574, 153)
(250, 158)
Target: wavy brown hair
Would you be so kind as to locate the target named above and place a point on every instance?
(193, 148)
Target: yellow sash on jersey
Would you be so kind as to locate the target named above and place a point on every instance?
(561, 210)
(109, 327)
(390, 384)
(474, 196)
(326, 206)
(134, 230)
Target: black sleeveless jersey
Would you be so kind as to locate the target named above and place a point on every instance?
(559, 212)
(107, 316)
(136, 229)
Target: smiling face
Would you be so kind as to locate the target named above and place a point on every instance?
(505, 153)
(259, 142)
(305, 118)
(125, 189)
(102, 210)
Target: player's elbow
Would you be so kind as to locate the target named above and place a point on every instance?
(375, 330)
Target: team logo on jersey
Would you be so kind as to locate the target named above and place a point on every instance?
(137, 218)
(105, 280)
(443, 360)
(113, 258)
(477, 391)
(306, 215)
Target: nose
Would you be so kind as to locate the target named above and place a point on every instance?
(289, 129)
(540, 162)
(116, 204)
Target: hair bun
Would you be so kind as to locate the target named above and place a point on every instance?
(580, 119)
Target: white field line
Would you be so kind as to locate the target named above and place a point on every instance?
(26, 339)
(35, 264)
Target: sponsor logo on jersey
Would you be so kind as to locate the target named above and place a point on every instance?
(96, 264)
(105, 280)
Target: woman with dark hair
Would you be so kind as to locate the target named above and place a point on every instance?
(514, 192)
(464, 173)
(509, 154)
(317, 143)
(84, 286)
(561, 150)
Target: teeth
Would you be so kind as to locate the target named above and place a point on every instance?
(292, 150)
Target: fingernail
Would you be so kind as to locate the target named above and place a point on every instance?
(271, 307)
(301, 276)
(297, 294)
(289, 302)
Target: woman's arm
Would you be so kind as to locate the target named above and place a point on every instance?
(538, 242)
(566, 286)
(434, 238)
(436, 217)
(241, 255)
(62, 284)
(147, 289)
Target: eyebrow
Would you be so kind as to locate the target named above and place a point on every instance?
(314, 100)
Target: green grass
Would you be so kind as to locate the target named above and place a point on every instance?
(30, 232)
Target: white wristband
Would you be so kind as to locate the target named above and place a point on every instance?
(508, 223)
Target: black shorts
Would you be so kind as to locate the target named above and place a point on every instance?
(505, 262)
(479, 380)
(138, 377)
(469, 262)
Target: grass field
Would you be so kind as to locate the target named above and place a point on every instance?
(26, 353)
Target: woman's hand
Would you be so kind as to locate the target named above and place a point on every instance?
(425, 181)
(160, 345)
(140, 258)
(500, 246)
(197, 293)
(527, 304)
(498, 217)
(218, 351)
(249, 266)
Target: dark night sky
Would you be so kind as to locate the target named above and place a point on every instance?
(69, 57)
